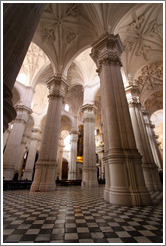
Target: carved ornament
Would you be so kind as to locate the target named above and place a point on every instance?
(57, 86)
(140, 34)
(107, 50)
(152, 75)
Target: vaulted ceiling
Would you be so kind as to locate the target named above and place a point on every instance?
(65, 29)
(63, 40)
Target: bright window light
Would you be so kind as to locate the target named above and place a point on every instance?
(22, 78)
(67, 107)
(67, 143)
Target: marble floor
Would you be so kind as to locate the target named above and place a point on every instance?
(74, 215)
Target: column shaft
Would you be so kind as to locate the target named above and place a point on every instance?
(153, 143)
(24, 18)
(35, 139)
(46, 166)
(89, 170)
(124, 176)
(12, 151)
(73, 159)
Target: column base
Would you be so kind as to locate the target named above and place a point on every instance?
(72, 176)
(127, 198)
(89, 184)
(8, 173)
(151, 177)
(27, 175)
(44, 179)
(117, 198)
(156, 179)
(43, 187)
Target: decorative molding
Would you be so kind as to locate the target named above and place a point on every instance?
(140, 34)
(70, 37)
(57, 86)
(152, 75)
(89, 111)
(48, 34)
(155, 98)
(22, 113)
(132, 94)
(53, 24)
(107, 50)
(72, 10)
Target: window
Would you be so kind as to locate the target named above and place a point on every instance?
(67, 107)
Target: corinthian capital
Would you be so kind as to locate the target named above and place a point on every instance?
(89, 111)
(57, 86)
(23, 113)
(132, 94)
(107, 49)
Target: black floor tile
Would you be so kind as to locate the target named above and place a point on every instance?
(128, 240)
(94, 229)
(84, 235)
(110, 234)
(61, 204)
(155, 239)
(28, 237)
(135, 233)
(100, 240)
(71, 230)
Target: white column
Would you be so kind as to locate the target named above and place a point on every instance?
(11, 159)
(89, 170)
(60, 157)
(153, 143)
(100, 152)
(150, 172)
(46, 166)
(35, 139)
(73, 159)
(125, 183)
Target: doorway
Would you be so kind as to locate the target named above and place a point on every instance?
(64, 169)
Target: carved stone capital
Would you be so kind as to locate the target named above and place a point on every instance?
(23, 113)
(132, 93)
(145, 112)
(36, 133)
(74, 136)
(57, 86)
(89, 111)
(107, 50)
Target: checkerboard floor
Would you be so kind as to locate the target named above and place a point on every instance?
(75, 215)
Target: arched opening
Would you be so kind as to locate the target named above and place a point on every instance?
(24, 160)
(64, 169)
(157, 120)
(34, 167)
